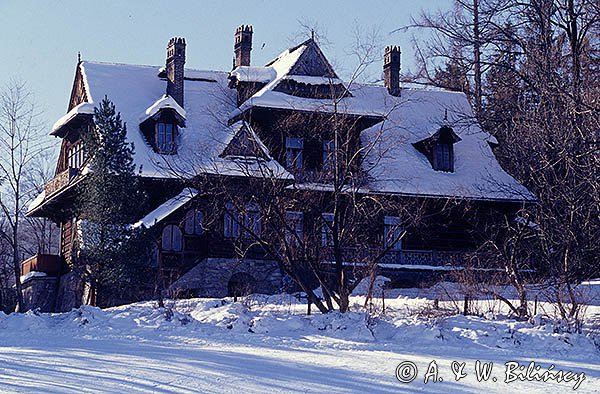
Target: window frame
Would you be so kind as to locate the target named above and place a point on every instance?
(444, 157)
(294, 230)
(294, 148)
(328, 151)
(75, 155)
(167, 131)
(231, 224)
(252, 220)
(194, 222)
(326, 229)
(392, 230)
(171, 230)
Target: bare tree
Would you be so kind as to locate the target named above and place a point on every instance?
(19, 146)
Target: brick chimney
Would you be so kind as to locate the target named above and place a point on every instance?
(174, 68)
(242, 45)
(391, 69)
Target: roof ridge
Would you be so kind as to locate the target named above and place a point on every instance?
(148, 66)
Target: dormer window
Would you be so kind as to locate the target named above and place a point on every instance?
(160, 124)
(439, 148)
(444, 157)
(166, 134)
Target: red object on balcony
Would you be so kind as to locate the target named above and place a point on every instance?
(51, 264)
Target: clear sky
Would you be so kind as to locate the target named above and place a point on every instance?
(39, 40)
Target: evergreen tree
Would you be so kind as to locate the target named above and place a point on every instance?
(111, 256)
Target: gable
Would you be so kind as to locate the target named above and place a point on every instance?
(312, 62)
(245, 143)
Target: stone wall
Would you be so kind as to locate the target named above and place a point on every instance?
(211, 277)
(40, 292)
(69, 293)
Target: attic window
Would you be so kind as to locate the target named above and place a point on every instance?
(444, 160)
(439, 148)
(166, 137)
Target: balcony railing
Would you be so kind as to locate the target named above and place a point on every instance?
(50, 264)
(426, 258)
(60, 181)
(405, 257)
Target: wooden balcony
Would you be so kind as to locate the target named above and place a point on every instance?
(50, 264)
(60, 181)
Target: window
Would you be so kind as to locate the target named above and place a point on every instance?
(165, 137)
(171, 238)
(444, 157)
(295, 227)
(252, 223)
(75, 155)
(392, 231)
(194, 222)
(293, 152)
(326, 230)
(231, 225)
(328, 148)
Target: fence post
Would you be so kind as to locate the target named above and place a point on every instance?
(466, 306)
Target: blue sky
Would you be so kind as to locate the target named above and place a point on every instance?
(39, 40)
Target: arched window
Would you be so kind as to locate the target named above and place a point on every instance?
(194, 222)
(171, 239)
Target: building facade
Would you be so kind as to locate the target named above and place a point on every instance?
(204, 138)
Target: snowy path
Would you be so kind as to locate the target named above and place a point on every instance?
(132, 349)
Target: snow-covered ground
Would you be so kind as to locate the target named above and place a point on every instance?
(266, 344)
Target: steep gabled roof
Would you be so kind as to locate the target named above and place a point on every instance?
(393, 165)
(135, 90)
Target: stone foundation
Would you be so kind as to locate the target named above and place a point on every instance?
(39, 292)
(212, 276)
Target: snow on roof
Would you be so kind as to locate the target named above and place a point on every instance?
(83, 108)
(254, 74)
(37, 201)
(313, 80)
(208, 101)
(167, 208)
(394, 165)
(162, 103)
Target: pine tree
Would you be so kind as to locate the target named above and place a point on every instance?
(110, 255)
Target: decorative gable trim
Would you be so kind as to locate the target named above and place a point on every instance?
(312, 62)
(245, 143)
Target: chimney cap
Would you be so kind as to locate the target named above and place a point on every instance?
(244, 28)
(392, 48)
(176, 40)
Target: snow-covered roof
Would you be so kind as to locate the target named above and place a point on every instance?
(393, 164)
(81, 109)
(167, 208)
(165, 102)
(396, 166)
(208, 102)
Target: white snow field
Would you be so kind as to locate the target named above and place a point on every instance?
(267, 344)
